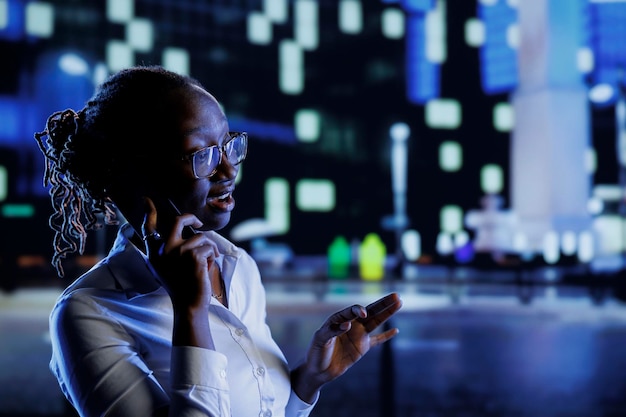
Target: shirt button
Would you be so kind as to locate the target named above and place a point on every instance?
(239, 332)
(223, 373)
(266, 413)
(260, 371)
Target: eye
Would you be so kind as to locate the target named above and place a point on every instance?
(204, 156)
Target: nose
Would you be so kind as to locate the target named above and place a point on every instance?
(225, 170)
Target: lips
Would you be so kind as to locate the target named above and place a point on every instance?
(222, 200)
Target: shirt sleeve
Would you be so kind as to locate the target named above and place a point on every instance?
(102, 373)
(199, 385)
(298, 408)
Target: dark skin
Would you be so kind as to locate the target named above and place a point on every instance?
(343, 339)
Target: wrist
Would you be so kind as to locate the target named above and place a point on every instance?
(306, 384)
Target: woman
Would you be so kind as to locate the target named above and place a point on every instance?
(172, 321)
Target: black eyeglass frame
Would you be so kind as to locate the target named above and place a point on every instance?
(222, 150)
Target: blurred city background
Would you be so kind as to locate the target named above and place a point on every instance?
(469, 154)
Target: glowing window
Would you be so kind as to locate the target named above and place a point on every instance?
(474, 32)
(176, 59)
(411, 243)
(18, 210)
(305, 24)
(350, 16)
(276, 10)
(307, 124)
(4, 14)
(392, 23)
(140, 35)
(119, 55)
(315, 195)
(503, 117)
(491, 179)
(436, 34)
(450, 156)
(451, 219)
(585, 60)
(277, 204)
(291, 58)
(259, 29)
(443, 113)
(120, 11)
(4, 183)
(39, 19)
(513, 36)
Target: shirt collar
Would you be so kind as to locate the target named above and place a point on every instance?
(134, 274)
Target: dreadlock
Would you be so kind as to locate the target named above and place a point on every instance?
(82, 150)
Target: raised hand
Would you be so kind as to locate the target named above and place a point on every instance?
(343, 339)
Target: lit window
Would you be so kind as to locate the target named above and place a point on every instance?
(451, 219)
(177, 60)
(276, 10)
(436, 34)
(140, 35)
(4, 183)
(513, 36)
(350, 16)
(39, 19)
(585, 60)
(307, 124)
(305, 24)
(119, 55)
(392, 23)
(120, 11)
(443, 113)
(491, 179)
(474, 32)
(277, 204)
(503, 117)
(291, 58)
(315, 195)
(450, 156)
(259, 29)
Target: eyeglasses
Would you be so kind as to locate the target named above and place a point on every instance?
(204, 162)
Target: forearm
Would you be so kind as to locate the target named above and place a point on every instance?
(191, 328)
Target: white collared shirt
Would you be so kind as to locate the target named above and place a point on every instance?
(112, 354)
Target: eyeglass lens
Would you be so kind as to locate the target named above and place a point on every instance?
(205, 163)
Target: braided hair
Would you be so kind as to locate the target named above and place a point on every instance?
(86, 151)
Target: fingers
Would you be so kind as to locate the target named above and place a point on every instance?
(154, 241)
(339, 323)
(380, 311)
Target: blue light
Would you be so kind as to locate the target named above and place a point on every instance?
(423, 77)
(15, 28)
(412, 6)
(11, 114)
(266, 131)
(608, 26)
(498, 59)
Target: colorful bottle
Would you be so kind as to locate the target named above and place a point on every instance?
(338, 258)
(372, 255)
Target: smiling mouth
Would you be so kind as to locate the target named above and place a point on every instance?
(222, 197)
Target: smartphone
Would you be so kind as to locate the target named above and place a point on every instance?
(166, 213)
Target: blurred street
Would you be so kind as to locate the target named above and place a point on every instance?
(463, 350)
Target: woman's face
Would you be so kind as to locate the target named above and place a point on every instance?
(200, 122)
